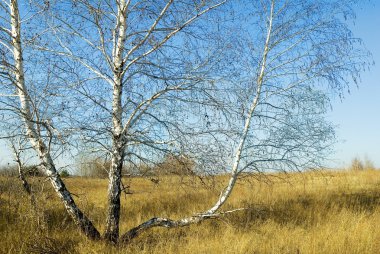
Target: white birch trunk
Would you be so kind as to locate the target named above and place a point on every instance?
(118, 139)
(259, 82)
(114, 189)
(44, 154)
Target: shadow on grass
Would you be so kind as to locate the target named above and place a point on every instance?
(306, 210)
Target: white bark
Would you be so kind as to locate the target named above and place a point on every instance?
(114, 188)
(259, 82)
(35, 139)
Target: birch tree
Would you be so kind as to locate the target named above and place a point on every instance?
(247, 91)
(131, 51)
(15, 72)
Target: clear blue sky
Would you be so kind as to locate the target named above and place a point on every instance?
(358, 115)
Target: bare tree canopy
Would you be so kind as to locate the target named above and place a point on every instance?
(231, 86)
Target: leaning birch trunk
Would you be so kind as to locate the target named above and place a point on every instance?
(212, 212)
(259, 82)
(43, 152)
(114, 190)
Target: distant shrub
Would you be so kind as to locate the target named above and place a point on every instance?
(33, 170)
(64, 173)
(97, 168)
(176, 165)
(358, 165)
(8, 171)
(30, 170)
(170, 165)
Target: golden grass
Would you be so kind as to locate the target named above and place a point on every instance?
(313, 212)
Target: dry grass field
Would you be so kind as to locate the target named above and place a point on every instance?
(314, 212)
